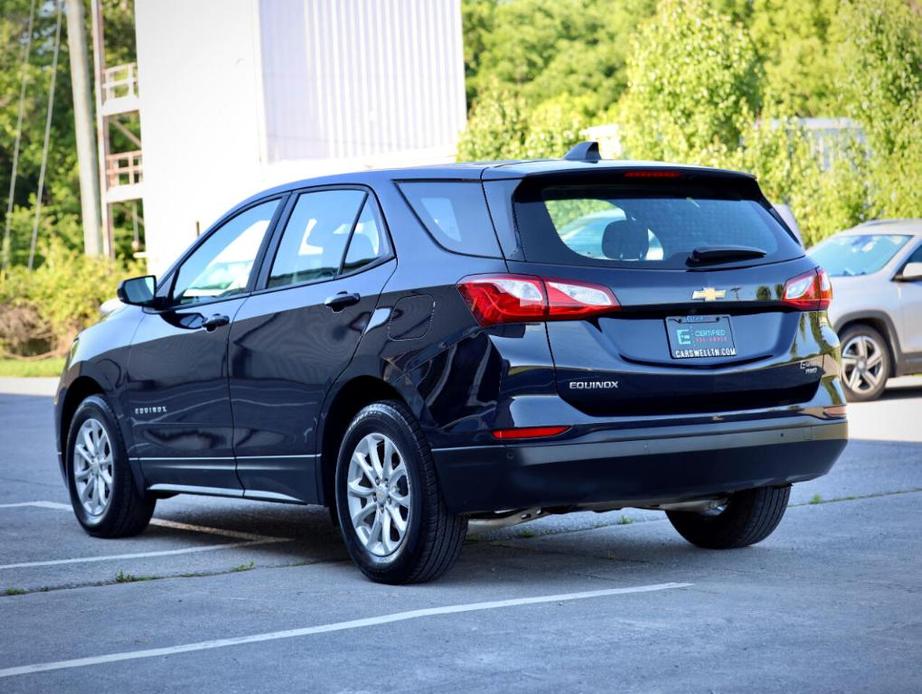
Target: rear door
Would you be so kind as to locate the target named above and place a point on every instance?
(290, 340)
(694, 333)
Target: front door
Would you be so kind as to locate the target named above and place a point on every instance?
(176, 392)
(910, 294)
(292, 339)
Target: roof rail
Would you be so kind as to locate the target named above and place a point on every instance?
(584, 151)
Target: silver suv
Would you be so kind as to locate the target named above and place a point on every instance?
(876, 271)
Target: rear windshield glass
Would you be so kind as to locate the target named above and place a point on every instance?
(455, 215)
(631, 226)
(857, 254)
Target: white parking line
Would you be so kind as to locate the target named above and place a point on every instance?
(139, 555)
(247, 540)
(54, 505)
(327, 628)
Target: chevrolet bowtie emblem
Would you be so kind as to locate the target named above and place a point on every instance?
(709, 294)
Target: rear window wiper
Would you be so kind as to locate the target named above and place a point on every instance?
(723, 254)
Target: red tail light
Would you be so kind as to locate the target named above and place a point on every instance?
(497, 299)
(528, 432)
(811, 291)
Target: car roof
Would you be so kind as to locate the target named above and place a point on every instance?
(912, 227)
(486, 170)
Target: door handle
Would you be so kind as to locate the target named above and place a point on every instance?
(339, 301)
(215, 321)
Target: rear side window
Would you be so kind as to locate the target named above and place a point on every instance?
(455, 215)
(314, 241)
(633, 226)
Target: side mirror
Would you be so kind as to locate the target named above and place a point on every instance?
(912, 272)
(138, 291)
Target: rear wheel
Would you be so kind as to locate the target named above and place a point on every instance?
(102, 487)
(744, 519)
(391, 512)
(865, 363)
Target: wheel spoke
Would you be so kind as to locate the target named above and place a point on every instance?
(374, 459)
(862, 347)
(387, 464)
(398, 520)
(386, 531)
(854, 380)
(363, 513)
(875, 359)
(374, 535)
(106, 474)
(86, 490)
(356, 489)
(872, 379)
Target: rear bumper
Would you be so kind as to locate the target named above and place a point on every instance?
(632, 468)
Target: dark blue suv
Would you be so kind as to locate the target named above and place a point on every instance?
(416, 348)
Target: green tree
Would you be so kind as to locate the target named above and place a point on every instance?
(798, 55)
(881, 58)
(694, 85)
(544, 50)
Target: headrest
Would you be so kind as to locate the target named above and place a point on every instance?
(625, 240)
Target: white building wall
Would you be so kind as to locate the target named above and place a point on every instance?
(201, 126)
(237, 95)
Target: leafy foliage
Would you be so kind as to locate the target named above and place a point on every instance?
(694, 85)
(56, 300)
(714, 82)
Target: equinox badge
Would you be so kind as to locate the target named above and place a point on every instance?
(593, 385)
(709, 294)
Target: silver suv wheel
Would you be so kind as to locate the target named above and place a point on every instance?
(862, 363)
(93, 467)
(378, 490)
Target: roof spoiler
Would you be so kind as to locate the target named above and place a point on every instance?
(584, 151)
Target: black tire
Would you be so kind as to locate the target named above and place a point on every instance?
(748, 517)
(865, 391)
(128, 512)
(433, 536)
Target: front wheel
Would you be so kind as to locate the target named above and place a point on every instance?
(744, 519)
(391, 512)
(102, 487)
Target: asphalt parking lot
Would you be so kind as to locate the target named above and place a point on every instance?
(226, 596)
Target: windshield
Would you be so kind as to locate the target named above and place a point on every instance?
(630, 226)
(850, 255)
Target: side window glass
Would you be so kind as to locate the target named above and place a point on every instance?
(916, 256)
(369, 240)
(221, 266)
(315, 236)
(455, 214)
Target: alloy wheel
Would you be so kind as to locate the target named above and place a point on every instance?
(862, 364)
(93, 467)
(378, 490)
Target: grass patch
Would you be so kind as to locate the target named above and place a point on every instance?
(14, 591)
(625, 520)
(50, 366)
(122, 577)
(243, 567)
(816, 499)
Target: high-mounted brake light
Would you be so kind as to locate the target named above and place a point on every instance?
(498, 299)
(653, 173)
(811, 291)
(527, 432)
